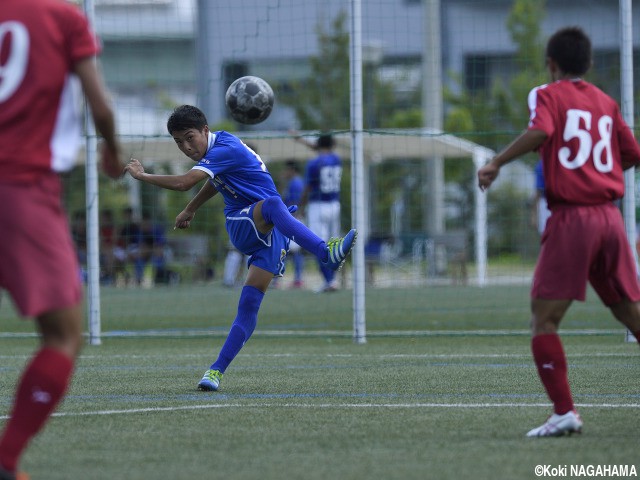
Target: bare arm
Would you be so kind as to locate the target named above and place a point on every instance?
(300, 139)
(102, 113)
(526, 142)
(183, 220)
(181, 183)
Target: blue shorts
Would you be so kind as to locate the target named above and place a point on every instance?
(267, 251)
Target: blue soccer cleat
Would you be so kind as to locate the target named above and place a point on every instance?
(339, 248)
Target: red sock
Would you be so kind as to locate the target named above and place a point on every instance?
(42, 386)
(549, 357)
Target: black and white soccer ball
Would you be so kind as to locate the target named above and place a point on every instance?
(249, 100)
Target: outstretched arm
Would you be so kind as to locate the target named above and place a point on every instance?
(181, 183)
(300, 139)
(183, 220)
(528, 141)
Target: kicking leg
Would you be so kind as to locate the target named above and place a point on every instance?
(273, 211)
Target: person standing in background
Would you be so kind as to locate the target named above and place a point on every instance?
(540, 212)
(321, 196)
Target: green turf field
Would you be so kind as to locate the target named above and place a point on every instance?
(443, 389)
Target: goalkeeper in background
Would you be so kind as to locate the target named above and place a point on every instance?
(585, 146)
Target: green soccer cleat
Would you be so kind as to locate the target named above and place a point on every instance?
(210, 381)
(339, 248)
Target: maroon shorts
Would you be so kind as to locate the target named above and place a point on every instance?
(586, 243)
(38, 263)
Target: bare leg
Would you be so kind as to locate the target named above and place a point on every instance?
(547, 314)
(628, 314)
(62, 330)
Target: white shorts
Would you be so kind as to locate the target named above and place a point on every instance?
(324, 219)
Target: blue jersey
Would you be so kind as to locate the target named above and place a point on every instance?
(236, 171)
(539, 177)
(323, 176)
(293, 195)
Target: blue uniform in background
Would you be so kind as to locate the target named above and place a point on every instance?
(542, 210)
(293, 196)
(323, 176)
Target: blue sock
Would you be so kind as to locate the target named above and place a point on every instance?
(274, 211)
(139, 269)
(327, 273)
(242, 327)
(298, 264)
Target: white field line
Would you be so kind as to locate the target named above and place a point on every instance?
(323, 333)
(450, 356)
(328, 406)
(427, 356)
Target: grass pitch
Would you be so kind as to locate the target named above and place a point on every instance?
(443, 389)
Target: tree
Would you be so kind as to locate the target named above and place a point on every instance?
(491, 117)
(321, 102)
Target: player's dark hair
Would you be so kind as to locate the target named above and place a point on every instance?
(185, 117)
(570, 47)
(293, 165)
(325, 141)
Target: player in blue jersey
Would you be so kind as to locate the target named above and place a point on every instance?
(258, 222)
(322, 196)
(293, 196)
(541, 212)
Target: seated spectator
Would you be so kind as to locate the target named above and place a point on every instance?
(128, 243)
(128, 237)
(152, 243)
(79, 236)
(108, 244)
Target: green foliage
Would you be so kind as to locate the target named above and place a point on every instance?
(508, 208)
(523, 24)
(459, 120)
(405, 118)
(485, 116)
(491, 117)
(321, 102)
(112, 194)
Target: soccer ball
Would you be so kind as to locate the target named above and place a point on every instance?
(249, 100)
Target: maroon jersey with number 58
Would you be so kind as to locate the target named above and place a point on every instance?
(587, 144)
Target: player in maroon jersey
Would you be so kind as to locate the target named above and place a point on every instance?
(47, 52)
(585, 145)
